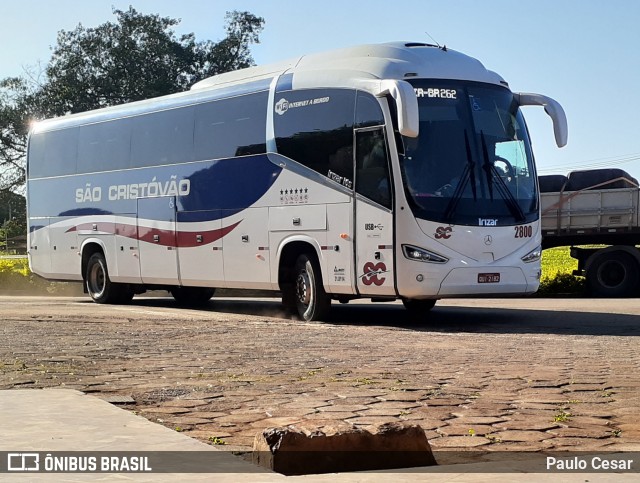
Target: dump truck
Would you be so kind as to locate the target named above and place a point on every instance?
(595, 212)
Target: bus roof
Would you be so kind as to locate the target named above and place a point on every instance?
(361, 67)
(394, 60)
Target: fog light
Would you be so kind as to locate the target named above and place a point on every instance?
(420, 277)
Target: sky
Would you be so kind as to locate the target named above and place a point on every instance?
(583, 53)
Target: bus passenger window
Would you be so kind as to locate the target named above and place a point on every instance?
(368, 112)
(316, 130)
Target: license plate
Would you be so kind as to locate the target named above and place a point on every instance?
(488, 278)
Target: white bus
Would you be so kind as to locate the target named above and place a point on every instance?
(393, 171)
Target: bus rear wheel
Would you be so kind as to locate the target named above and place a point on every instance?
(192, 296)
(100, 288)
(312, 302)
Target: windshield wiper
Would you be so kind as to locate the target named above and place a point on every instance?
(467, 174)
(491, 173)
(471, 164)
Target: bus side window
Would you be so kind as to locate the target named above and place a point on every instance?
(372, 167)
(368, 111)
(315, 128)
(53, 153)
(105, 145)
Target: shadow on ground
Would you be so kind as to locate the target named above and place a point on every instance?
(441, 319)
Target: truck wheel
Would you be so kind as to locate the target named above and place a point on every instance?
(311, 300)
(100, 288)
(192, 296)
(613, 274)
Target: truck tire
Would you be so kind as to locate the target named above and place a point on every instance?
(100, 288)
(312, 302)
(613, 274)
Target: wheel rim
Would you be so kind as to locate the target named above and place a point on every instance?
(303, 288)
(96, 280)
(612, 274)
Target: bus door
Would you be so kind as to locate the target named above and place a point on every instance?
(373, 214)
(157, 240)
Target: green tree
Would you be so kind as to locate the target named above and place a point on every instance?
(13, 218)
(136, 57)
(15, 117)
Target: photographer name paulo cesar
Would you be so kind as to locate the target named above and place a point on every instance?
(591, 463)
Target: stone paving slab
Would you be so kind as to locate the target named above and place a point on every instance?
(529, 381)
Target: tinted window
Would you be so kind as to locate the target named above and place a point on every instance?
(219, 129)
(36, 164)
(231, 127)
(372, 167)
(315, 128)
(368, 111)
(164, 137)
(53, 153)
(104, 146)
(472, 160)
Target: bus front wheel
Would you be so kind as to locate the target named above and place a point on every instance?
(312, 302)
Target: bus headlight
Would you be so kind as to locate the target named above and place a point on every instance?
(533, 255)
(422, 255)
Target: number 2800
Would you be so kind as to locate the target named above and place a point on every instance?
(523, 231)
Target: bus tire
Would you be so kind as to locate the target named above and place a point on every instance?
(613, 274)
(192, 296)
(289, 298)
(312, 302)
(418, 308)
(99, 287)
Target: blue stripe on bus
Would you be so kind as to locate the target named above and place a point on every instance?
(217, 189)
(285, 83)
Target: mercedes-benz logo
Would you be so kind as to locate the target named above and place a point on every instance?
(488, 240)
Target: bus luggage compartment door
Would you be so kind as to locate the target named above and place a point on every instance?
(157, 240)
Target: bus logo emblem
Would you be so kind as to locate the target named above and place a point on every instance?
(443, 232)
(282, 106)
(371, 272)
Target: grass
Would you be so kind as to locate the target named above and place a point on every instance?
(557, 261)
(214, 440)
(557, 273)
(15, 276)
(562, 416)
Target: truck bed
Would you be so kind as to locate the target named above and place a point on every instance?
(595, 214)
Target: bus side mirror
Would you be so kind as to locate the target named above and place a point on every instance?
(407, 105)
(552, 108)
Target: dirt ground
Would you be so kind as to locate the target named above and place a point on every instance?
(496, 375)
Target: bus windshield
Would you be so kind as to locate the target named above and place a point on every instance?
(472, 160)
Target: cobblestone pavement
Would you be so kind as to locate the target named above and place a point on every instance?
(513, 375)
